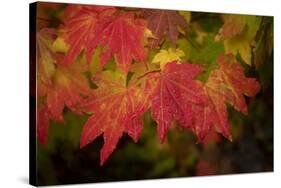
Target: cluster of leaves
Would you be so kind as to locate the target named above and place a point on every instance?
(115, 64)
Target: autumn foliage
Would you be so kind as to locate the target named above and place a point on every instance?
(115, 64)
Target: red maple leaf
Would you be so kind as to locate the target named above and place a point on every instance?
(79, 28)
(116, 109)
(121, 36)
(164, 23)
(173, 92)
(227, 84)
(235, 83)
(58, 85)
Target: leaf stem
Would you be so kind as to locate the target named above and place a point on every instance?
(139, 79)
(148, 72)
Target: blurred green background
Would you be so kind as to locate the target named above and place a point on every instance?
(60, 161)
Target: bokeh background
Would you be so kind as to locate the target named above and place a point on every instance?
(60, 161)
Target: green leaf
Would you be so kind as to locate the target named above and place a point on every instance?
(166, 56)
(205, 54)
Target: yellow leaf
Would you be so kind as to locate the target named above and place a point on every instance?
(59, 45)
(186, 15)
(166, 56)
(148, 34)
(200, 36)
(241, 45)
(240, 41)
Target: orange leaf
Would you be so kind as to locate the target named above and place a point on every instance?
(116, 110)
(227, 84)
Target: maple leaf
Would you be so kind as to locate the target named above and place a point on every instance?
(165, 56)
(46, 68)
(213, 114)
(116, 109)
(46, 59)
(235, 84)
(172, 93)
(164, 23)
(227, 84)
(233, 26)
(238, 33)
(240, 44)
(121, 36)
(68, 88)
(79, 28)
(62, 86)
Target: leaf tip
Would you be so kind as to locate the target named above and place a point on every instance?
(162, 138)
(102, 161)
(83, 142)
(229, 137)
(82, 145)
